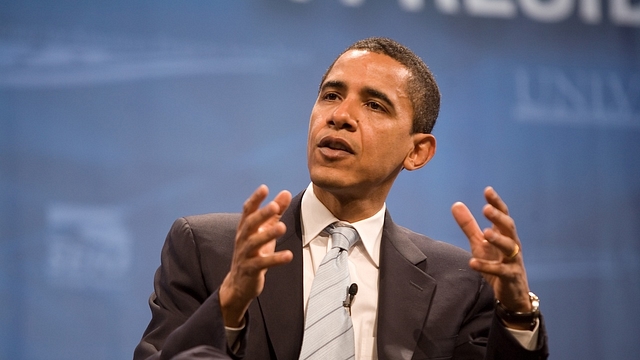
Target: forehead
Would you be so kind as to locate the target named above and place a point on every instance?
(369, 69)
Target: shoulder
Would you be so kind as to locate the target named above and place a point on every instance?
(202, 243)
(213, 222)
(436, 250)
(444, 261)
(205, 228)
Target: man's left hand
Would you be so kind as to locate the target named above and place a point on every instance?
(497, 252)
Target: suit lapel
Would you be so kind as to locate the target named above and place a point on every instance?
(405, 293)
(281, 300)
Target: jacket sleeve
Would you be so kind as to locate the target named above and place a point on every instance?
(185, 312)
(483, 336)
(502, 345)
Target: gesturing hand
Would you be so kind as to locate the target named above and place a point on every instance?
(496, 251)
(254, 253)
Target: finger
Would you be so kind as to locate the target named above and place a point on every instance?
(467, 222)
(260, 218)
(254, 266)
(283, 199)
(501, 221)
(253, 202)
(269, 233)
(488, 267)
(274, 259)
(507, 246)
(256, 242)
(269, 214)
(495, 200)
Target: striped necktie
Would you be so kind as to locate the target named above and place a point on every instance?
(328, 331)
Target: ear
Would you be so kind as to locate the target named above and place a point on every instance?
(424, 147)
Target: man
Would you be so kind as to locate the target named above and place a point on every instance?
(375, 109)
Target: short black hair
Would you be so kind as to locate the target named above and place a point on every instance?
(422, 87)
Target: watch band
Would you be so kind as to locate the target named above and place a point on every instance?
(520, 317)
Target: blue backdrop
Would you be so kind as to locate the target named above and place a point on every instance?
(118, 117)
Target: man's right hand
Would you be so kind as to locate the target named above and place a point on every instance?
(254, 253)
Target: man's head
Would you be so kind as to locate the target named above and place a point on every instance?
(422, 87)
(361, 130)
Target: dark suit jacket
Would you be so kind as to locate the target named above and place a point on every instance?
(431, 305)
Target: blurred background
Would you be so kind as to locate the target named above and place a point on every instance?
(117, 117)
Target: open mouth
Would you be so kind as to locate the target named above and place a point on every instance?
(335, 144)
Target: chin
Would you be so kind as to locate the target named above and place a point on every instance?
(327, 178)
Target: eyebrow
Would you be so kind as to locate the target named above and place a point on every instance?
(380, 95)
(341, 85)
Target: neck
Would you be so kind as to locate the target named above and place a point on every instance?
(349, 207)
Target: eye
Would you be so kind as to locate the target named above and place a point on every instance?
(330, 96)
(375, 106)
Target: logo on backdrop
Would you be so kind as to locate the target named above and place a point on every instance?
(552, 94)
(88, 246)
(618, 12)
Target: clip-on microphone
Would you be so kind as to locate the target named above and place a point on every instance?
(351, 292)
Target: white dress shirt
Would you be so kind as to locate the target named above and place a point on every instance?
(364, 261)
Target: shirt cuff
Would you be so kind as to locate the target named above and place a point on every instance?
(527, 338)
(232, 337)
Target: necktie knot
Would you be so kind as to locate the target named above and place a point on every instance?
(343, 235)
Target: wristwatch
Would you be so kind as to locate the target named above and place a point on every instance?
(520, 317)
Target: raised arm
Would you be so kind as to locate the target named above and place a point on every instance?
(497, 253)
(253, 254)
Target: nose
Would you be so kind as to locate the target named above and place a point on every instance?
(344, 116)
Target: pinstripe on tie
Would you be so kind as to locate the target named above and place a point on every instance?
(328, 331)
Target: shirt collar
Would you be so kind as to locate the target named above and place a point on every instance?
(316, 217)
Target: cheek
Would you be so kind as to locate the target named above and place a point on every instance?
(314, 128)
(315, 120)
(389, 146)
